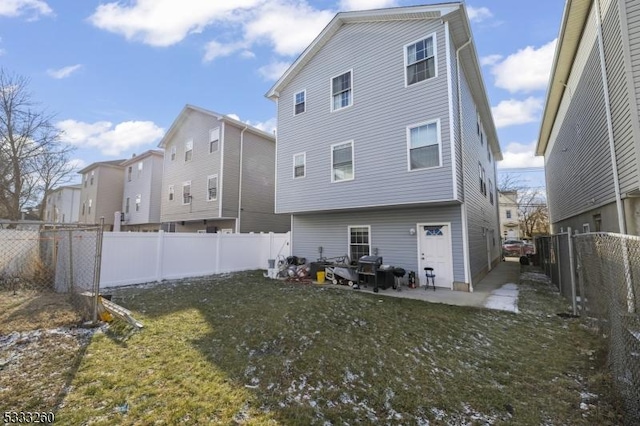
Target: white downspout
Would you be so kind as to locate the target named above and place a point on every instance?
(463, 209)
(612, 148)
(240, 182)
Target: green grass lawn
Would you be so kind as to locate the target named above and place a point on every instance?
(242, 349)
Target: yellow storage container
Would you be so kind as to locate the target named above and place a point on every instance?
(320, 277)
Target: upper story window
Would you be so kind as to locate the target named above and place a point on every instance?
(171, 192)
(424, 145)
(173, 153)
(138, 202)
(140, 167)
(93, 172)
(212, 188)
(299, 165)
(490, 191)
(342, 161)
(341, 96)
(299, 102)
(126, 205)
(214, 139)
(420, 60)
(186, 192)
(83, 208)
(508, 213)
(129, 171)
(188, 150)
(90, 203)
(86, 179)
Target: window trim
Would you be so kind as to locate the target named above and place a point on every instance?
(174, 155)
(171, 193)
(353, 161)
(211, 140)
(435, 59)
(217, 187)
(349, 227)
(439, 136)
(188, 143)
(187, 183)
(129, 173)
(304, 93)
(304, 165)
(351, 100)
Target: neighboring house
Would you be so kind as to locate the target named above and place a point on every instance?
(101, 196)
(218, 176)
(509, 215)
(142, 192)
(386, 144)
(63, 204)
(590, 131)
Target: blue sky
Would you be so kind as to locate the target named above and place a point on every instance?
(116, 74)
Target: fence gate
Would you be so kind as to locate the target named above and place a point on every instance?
(61, 258)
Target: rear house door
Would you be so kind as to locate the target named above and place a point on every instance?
(434, 250)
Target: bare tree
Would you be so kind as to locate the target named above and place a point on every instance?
(32, 158)
(531, 204)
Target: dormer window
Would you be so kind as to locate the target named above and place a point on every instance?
(420, 60)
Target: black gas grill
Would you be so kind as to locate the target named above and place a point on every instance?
(368, 270)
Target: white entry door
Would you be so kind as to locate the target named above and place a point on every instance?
(434, 250)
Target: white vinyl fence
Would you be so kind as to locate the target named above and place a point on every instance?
(141, 257)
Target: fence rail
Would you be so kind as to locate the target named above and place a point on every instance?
(600, 274)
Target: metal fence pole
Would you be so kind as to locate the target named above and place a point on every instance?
(572, 270)
(71, 284)
(96, 273)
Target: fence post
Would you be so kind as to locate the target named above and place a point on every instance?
(572, 270)
(96, 271)
(580, 270)
(558, 262)
(71, 284)
(159, 255)
(217, 260)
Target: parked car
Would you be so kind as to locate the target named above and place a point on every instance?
(517, 248)
(513, 248)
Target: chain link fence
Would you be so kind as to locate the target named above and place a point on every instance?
(600, 274)
(52, 258)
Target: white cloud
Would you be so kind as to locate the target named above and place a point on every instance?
(274, 70)
(478, 14)
(288, 27)
(511, 111)
(164, 22)
(490, 60)
(526, 70)
(268, 126)
(366, 4)
(64, 72)
(109, 139)
(518, 155)
(15, 8)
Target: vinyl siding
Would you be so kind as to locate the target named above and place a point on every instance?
(196, 126)
(148, 184)
(258, 186)
(389, 234)
(633, 39)
(481, 214)
(578, 161)
(376, 122)
(231, 166)
(619, 99)
(110, 184)
(453, 75)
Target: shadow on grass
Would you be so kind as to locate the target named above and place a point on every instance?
(243, 349)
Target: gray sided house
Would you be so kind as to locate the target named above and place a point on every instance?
(101, 196)
(590, 132)
(386, 144)
(142, 192)
(62, 204)
(218, 176)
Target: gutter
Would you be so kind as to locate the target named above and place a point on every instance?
(240, 181)
(463, 207)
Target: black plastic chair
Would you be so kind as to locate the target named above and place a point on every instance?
(430, 275)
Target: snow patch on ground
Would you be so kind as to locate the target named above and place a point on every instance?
(504, 299)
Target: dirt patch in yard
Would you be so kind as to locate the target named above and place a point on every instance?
(31, 310)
